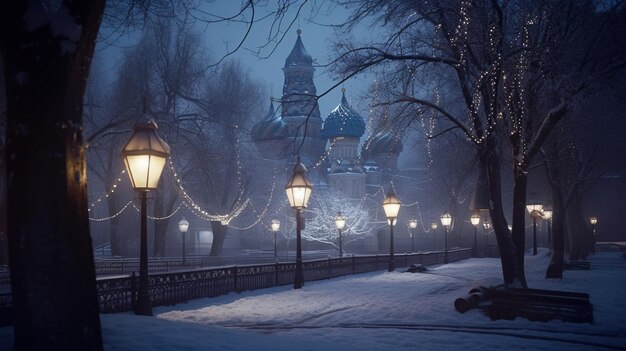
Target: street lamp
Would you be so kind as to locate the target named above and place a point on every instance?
(340, 222)
(535, 211)
(275, 226)
(547, 215)
(144, 156)
(475, 219)
(446, 221)
(391, 205)
(183, 226)
(593, 221)
(412, 226)
(299, 191)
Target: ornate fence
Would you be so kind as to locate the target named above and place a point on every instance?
(116, 294)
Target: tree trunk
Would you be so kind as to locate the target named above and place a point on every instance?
(512, 269)
(162, 208)
(555, 267)
(160, 226)
(520, 179)
(579, 232)
(219, 235)
(51, 255)
(118, 242)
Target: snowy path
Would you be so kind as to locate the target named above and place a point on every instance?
(381, 311)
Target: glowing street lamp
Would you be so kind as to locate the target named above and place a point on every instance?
(547, 215)
(446, 221)
(391, 205)
(475, 219)
(340, 223)
(593, 221)
(183, 226)
(535, 211)
(275, 226)
(412, 226)
(299, 191)
(144, 156)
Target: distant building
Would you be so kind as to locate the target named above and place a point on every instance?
(332, 143)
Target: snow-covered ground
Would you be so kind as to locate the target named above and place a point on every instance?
(380, 311)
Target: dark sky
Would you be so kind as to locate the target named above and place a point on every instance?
(221, 37)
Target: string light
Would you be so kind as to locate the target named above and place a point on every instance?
(113, 216)
(161, 218)
(108, 193)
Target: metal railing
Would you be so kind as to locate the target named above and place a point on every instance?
(117, 294)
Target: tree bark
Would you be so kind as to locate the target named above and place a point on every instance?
(556, 265)
(579, 232)
(160, 228)
(512, 268)
(219, 235)
(51, 254)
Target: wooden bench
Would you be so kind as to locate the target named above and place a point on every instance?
(540, 305)
(577, 265)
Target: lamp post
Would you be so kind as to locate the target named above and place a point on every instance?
(547, 215)
(487, 226)
(340, 222)
(446, 221)
(391, 205)
(144, 156)
(275, 226)
(535, 211)
(412, 226)
(433, 227)
(183, 226)
(475, 219)
(593, 221)
(299, 191)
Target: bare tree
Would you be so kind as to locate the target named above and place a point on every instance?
(51, 258)
(46, 50)
(217, 142)
(325, 204)
(517, 67)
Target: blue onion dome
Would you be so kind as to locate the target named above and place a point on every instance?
(384, 142)
(299, 56)
(371, 166)
(343, 121)
(270, 127)
(344, 166)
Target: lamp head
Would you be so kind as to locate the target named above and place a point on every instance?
(183, 225)
(145, 154)
(391, 205)
(446, 219)
(340, 221)
(298, 188)
(475, 219)
(275, 225)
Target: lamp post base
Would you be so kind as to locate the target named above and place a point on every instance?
(298, 281)
(392, 266)
(143, 306)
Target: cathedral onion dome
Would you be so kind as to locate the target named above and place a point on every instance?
(298, 55)
(343, 121)
(344, 166)
(385, 142)
(271, 127)
(371, 166)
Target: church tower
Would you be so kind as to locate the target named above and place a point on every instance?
(299, 102)
(343, 128)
